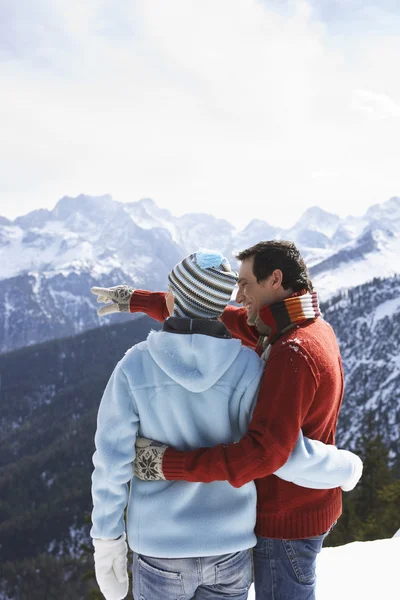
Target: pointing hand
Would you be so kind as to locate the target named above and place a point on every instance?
(119, 295)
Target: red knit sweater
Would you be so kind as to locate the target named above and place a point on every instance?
(302, 388)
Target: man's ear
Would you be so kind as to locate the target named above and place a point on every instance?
(276, 279)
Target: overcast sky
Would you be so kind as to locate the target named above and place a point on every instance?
(240, 108)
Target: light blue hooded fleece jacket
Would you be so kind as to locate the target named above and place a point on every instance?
(187, 391)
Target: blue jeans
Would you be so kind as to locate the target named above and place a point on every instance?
(285, 569)
(207, 578)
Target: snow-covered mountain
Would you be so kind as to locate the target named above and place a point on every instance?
(49, 259)
(366, 321)
(372, 249)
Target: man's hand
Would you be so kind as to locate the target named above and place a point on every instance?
(110, 561)
(148, 461)
(120, 297)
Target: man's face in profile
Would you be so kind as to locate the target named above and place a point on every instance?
(251, 293)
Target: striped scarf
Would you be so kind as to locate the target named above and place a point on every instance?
(276, 318)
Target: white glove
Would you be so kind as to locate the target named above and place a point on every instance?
(111, 566)
(120, 297)
(356, 473)
(148, 460)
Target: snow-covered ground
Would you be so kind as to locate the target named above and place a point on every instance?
(358, 571)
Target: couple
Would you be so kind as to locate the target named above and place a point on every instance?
(222, 416)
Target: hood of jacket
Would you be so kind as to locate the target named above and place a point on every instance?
(195, 361)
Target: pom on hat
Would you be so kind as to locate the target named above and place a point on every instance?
(206, 259)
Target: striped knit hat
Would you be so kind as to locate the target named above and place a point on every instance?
(202, 284)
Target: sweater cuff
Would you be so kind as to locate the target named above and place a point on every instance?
(151, 303)
(173, 465)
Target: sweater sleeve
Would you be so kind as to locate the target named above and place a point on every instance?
(286, 394)
(151, 303)
(117, 427)
(235, 320)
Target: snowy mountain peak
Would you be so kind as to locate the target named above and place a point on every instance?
(147, 206)
(386, 210)
(257, 224)
(317, 219)
(254, 232)
(36, 218)
(148, 210)
(90, 206)
(147, 203)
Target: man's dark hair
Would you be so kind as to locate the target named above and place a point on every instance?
(279, 254)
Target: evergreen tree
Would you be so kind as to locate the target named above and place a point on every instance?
(370, 511)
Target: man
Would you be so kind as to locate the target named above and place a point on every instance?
(302, 388)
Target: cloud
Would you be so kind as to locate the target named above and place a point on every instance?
(218, 105)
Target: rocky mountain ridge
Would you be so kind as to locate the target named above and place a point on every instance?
(50, 259)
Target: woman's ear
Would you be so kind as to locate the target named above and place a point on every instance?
(170, 301)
